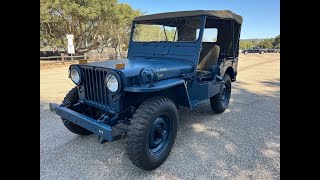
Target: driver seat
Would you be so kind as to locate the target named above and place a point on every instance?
(210, 58)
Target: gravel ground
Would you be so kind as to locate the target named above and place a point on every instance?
(241, 143)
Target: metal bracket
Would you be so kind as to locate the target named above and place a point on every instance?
(101, 140)
(66, 104)
(102, 118)
(219, 78)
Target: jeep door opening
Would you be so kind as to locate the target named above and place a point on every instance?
(173, 60)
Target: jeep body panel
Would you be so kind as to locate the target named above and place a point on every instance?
(198, 92)
(157, 86)
(230, 66)
(165, 68)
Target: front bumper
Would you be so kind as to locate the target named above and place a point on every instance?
(101, 129)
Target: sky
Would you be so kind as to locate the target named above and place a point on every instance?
(261, 18)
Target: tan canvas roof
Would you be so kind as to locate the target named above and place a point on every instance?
(223, 14)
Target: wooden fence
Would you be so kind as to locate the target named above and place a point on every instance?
(91, 57)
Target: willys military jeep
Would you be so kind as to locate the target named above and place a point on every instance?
(174, 59)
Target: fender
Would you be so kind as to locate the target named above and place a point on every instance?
(174, 88)
(158, 86)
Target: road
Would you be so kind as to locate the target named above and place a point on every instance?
(241, 143)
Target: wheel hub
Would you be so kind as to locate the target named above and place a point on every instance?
(224, 93)
(158, 135)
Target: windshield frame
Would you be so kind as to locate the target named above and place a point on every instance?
(202, 23)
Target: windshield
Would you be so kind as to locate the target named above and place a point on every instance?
(167, 30)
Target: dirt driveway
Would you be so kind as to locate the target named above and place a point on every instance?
(241, 143)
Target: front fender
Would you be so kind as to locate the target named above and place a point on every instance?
(173, 88)
(158, 86)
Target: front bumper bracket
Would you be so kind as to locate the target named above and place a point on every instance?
(101, 129)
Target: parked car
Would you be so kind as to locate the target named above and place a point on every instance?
(139, 97)
(255, 50)
(272, 50)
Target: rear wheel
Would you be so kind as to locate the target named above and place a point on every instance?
(152, 132)
(72, 98)
(220, 102)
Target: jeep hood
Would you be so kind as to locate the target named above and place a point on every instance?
(165, 68)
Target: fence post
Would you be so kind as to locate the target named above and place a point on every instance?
(99, 56)
(62, 58)
(85, 55)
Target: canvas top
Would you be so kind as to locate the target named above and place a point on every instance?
(221, 14)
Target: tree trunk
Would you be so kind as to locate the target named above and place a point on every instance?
(117, 49)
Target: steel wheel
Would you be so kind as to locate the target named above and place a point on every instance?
(159, 134)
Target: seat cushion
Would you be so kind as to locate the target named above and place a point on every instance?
(210, 59)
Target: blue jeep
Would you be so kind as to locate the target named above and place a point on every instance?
(174, 59)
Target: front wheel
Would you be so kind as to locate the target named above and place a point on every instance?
(152, 132)
(220, 102)
(71, 98)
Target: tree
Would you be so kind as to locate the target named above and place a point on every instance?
(245, 44)
(116, 32)
(144, 32)
(276, 42)
(266, 43)
(263, 43)
(82, 18)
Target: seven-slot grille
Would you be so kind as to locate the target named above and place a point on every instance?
(94, 86)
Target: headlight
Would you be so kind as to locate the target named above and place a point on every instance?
(75, 75)
(112, 82)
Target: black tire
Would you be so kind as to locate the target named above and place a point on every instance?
(245, 52)
(220, 102)
(72, 97)
(143, 148)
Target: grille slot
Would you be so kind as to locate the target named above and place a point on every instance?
(95, 91)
